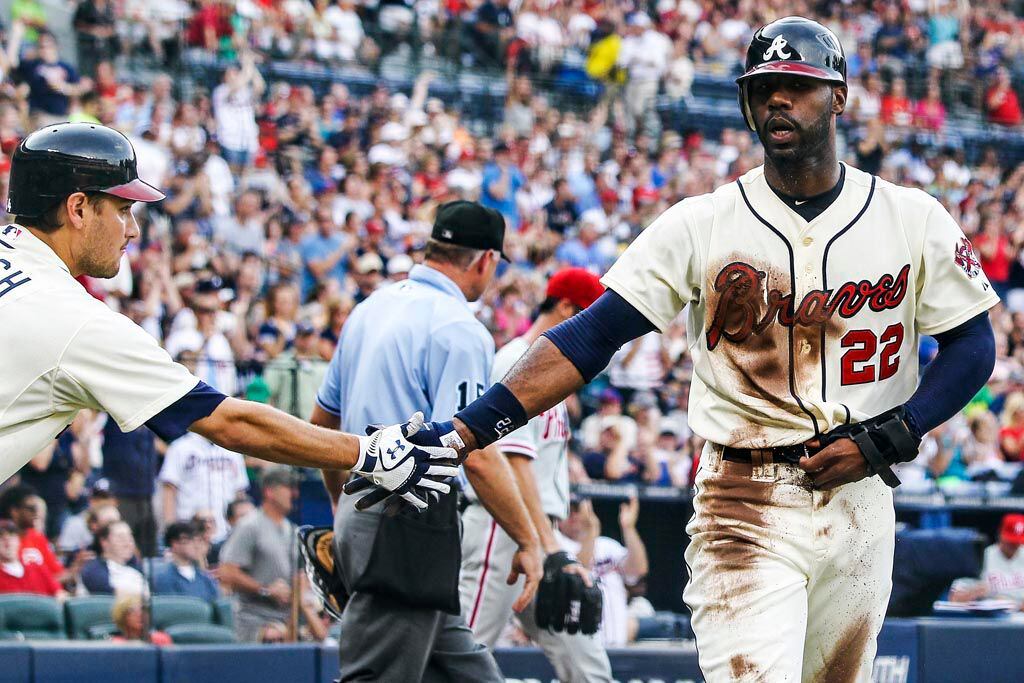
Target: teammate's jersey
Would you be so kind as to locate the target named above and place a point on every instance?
(545, 439)
(796, 327)
(61, 350)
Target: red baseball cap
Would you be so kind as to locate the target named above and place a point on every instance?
(578, 285)
(1012, 530)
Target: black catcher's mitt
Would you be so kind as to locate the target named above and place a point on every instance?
(884, 440)
(317, 547)
(564, 603)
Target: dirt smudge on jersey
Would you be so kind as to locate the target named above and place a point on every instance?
(824, 532)
(759, 364)
(843, 664)
(743, 669)
(807, 353)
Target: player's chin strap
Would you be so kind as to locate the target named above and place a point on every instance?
(884, 440)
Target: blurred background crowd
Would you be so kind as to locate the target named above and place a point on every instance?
(304, 146)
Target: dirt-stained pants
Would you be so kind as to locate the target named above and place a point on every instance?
(787, 583)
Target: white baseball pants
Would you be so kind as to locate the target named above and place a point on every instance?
(487, 602)
(787, 583)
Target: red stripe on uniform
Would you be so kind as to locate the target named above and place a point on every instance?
(483, 574)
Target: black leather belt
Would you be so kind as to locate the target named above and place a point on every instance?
(789, 455)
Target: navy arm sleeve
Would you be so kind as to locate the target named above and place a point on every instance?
(174, 420)
(590, 338)
(964, 362)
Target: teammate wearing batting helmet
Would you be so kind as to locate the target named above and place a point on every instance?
(72, 188)
(807, 285)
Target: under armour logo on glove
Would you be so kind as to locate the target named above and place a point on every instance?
(407, 470)
(778, 47)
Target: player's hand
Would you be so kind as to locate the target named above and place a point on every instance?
(841, 462)
(391, 459)
(526, 562)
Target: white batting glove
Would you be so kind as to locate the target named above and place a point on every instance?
(388, 459)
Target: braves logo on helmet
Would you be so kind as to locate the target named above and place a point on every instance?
(778, 47)
(963, 256)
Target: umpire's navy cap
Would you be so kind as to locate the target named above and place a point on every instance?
(469, 224)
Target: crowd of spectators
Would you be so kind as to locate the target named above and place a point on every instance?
(286, 207)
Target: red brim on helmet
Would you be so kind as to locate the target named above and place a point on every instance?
(793, 68)
(137, 191)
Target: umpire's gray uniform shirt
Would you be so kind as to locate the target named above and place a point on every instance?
(414, 345)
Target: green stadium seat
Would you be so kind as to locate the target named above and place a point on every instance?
(200, 634)
(32, 617)
(81, 614)
(170, 610)
(224, 612)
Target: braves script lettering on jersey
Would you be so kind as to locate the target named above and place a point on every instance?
(796, 327)
(57, 358)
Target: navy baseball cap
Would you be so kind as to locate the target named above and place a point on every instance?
(468, 224)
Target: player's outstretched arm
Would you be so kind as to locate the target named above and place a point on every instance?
(267, 433)
(543, 360)
(561, 361)
(386, 457)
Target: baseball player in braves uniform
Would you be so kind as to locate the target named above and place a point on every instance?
(538, 455)
(72, 187)
(809, 284)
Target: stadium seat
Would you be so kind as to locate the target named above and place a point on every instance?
(169, 610)
(82, 614)
(224, 612)
(101, 631)
(200, 634)
(32, 617)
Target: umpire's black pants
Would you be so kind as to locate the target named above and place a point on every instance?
(385, 640)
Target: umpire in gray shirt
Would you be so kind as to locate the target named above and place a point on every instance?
(419, 340)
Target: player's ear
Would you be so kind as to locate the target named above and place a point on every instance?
(566, 309)
(839, 93)
(75, 207)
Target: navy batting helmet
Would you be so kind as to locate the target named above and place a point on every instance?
(792, 45)
(59, 160)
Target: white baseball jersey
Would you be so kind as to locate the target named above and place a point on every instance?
(795, 326)
(63, 351)
(544, 439)
(1003, 576)
(206, 476)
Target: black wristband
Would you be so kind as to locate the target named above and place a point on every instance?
(496, 413)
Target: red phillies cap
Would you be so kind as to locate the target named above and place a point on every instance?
(578, 285)
(1013, 529)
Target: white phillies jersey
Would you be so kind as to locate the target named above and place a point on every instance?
(797, 327)
(545, 439)
(63, 350)
(1003, 576)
